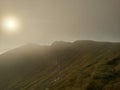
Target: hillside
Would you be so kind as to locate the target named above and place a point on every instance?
(81, 65)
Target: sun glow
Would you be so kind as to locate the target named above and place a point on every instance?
(10, 24)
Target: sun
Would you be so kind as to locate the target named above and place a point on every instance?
(10, 24)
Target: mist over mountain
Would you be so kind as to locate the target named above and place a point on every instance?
(79, 65)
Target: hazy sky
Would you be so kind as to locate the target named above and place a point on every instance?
(45, 21)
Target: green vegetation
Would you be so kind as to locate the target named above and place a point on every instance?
(82, 65)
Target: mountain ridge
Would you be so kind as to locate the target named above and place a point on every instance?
(78, 65)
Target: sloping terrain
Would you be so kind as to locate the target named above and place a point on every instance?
(81, 65)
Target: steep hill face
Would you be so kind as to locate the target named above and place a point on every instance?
(81, 65)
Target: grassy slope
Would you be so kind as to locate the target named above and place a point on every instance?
(82, 65)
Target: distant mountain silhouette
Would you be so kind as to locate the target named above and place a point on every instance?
(79, 65)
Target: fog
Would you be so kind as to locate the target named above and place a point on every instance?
(46, 21)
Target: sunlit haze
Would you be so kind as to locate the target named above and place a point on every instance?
(46, 21)
(10, 24)
(59, 44)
